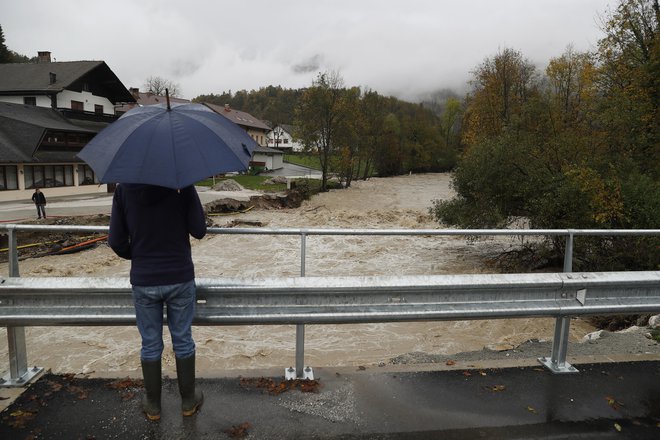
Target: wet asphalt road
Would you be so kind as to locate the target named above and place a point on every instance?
(603, 401)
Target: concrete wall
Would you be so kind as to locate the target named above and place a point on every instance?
(65, 97)
(42, 101)
(272, 161)
(259, 136)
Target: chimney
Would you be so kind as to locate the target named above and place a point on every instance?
(52, 78)
(43, 57)
(135, 92)
(227, 109)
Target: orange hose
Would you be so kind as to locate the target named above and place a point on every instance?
(84, 243)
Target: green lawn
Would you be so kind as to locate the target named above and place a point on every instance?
(255, 183)
(305, 160)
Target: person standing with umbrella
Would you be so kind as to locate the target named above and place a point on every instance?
(149, 225)
(156, 154)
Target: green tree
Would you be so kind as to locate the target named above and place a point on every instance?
(501, 88)
(389, 157)
(5, 56)
(321, 117)
(447, 151)
(348, 139)
(372, 116)
(9, 56)
(577, 150)
(421, 138)
(629, 78)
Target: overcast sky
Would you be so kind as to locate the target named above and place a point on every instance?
(396, 47)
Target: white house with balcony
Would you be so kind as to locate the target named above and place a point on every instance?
(281, 138)
(48, 113)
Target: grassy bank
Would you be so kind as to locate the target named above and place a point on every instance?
(255, 183)
(305, 160)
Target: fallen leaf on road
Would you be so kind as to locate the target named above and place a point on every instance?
(238, 431)
(121, 384)
(617, 427)
(497, 388)
(615, 404)
(20, 418)
(450, 362)
(467, 374)
(530, 409)
(278, 387)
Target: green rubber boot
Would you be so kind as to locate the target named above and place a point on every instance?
(152, 385)
(191, 397)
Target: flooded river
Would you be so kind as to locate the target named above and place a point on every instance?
(392, 203)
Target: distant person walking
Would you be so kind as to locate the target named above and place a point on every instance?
(150, 225)
(39, 200)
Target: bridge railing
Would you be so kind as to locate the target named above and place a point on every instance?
(266, 309)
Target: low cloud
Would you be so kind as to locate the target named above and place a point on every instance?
(311, 65)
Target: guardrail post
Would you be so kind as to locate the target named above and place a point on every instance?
(300, 371)
(19, 374)
(568, 253)
(13, 252)
(557, 362)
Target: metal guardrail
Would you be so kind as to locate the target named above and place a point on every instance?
(73, 301)
(330, 293)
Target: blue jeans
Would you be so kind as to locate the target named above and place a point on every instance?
(179, 300)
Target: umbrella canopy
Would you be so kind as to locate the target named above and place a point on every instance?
(172, 147)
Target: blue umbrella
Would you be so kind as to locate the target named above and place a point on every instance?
(171, 147)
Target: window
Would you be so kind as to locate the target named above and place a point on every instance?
(98, 109)
(86, 175)
(77, 106)
(48, 176)
(64, 141)
(286, 141)
(30, 100)
(8, 177)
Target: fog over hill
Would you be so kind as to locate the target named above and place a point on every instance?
(403, 49)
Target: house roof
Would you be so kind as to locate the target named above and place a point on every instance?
(238, 117)
(36, 79)
(267, 150)
(148, 98)
(22, 128)
(288, 128)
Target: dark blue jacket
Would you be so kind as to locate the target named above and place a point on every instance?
(149, 225)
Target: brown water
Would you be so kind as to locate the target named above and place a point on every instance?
(392, 203)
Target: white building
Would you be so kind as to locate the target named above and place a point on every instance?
(281, 137)
(48, 113)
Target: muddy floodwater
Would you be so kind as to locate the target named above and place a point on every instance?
(392, 203)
